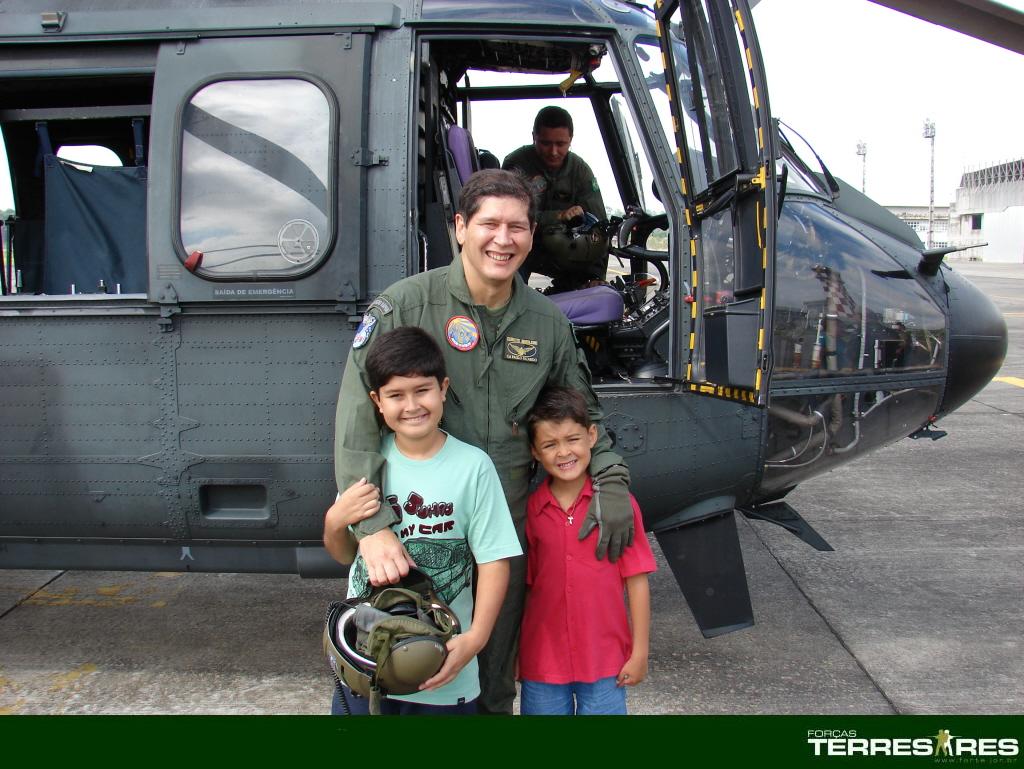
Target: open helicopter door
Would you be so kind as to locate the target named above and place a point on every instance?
(724, 147)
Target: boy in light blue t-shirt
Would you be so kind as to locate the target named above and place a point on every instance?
(453, 515)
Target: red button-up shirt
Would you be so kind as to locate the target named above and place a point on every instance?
(575, 626)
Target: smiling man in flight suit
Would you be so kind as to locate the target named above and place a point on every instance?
(502, 342)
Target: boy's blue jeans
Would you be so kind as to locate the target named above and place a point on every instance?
(601, 698)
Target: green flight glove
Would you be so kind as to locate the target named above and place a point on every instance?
(610, 510)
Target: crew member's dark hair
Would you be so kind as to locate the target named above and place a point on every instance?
(403, 351)
(553, 117)
(555, 404)
(495, 183)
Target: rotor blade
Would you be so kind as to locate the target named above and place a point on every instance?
(989, 21)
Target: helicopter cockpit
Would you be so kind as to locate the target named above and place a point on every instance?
(478, 101)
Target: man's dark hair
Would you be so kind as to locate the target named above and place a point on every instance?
(403, 351)
(555, 404)
(495, 183)
(553, 117)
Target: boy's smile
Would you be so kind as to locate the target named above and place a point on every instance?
(563, 448)
(412, 406)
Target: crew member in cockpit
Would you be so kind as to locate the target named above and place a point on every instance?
(566, 189)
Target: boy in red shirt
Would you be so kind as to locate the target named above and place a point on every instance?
(577, 652)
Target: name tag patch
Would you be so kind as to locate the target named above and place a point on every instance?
(382, 305)
(521, 349)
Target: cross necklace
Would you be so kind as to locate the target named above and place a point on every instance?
(572, 511)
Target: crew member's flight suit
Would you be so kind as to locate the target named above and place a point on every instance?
(572, 185)
(494, 383)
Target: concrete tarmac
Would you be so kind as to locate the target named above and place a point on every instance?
(920, 610)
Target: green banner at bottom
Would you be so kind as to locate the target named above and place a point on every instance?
(821, 741)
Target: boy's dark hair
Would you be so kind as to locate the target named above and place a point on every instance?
(403, 351)
(495, 183)
(555, 404)
(553, 117)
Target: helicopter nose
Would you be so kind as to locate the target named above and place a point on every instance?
(977, 342)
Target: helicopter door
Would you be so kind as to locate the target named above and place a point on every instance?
(724, 148)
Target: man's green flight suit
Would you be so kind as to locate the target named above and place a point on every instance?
(493, 386)
(572, 185)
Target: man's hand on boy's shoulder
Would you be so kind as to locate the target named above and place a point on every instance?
(611, 512)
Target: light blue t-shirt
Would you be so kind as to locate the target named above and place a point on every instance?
(453, 514)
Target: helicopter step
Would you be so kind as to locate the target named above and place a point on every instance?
(781, 514)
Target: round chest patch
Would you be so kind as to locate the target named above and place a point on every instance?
(462, 333)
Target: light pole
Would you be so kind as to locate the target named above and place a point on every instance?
(862, 150)
(929, 134)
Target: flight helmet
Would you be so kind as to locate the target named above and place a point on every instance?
(390, 641)
(575, 250)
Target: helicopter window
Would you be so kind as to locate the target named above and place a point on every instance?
(794, 150)
(80, 223)
(797, 180)
(707, 123)
(637, 160)
(256, 187)
(845, 308)
(75, 227)
(648, 52)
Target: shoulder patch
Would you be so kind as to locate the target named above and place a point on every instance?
(381, 304)
(366, 326)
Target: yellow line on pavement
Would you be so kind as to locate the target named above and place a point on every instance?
(62, 681)
(1016, 381)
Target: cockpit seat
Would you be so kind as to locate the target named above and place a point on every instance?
(460, 145)
(488, 159)
(590, 306)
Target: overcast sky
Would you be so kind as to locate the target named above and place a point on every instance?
(844, 71)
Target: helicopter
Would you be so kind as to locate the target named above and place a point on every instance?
(175, 322)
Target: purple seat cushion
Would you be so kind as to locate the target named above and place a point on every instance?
(460, 145)
(589, 306)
